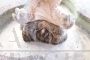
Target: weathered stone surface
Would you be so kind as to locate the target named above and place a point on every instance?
(44, 31)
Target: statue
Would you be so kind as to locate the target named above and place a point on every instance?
(43, 20)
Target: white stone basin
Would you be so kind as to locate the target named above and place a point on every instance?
(12, 46)
(11, 42)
